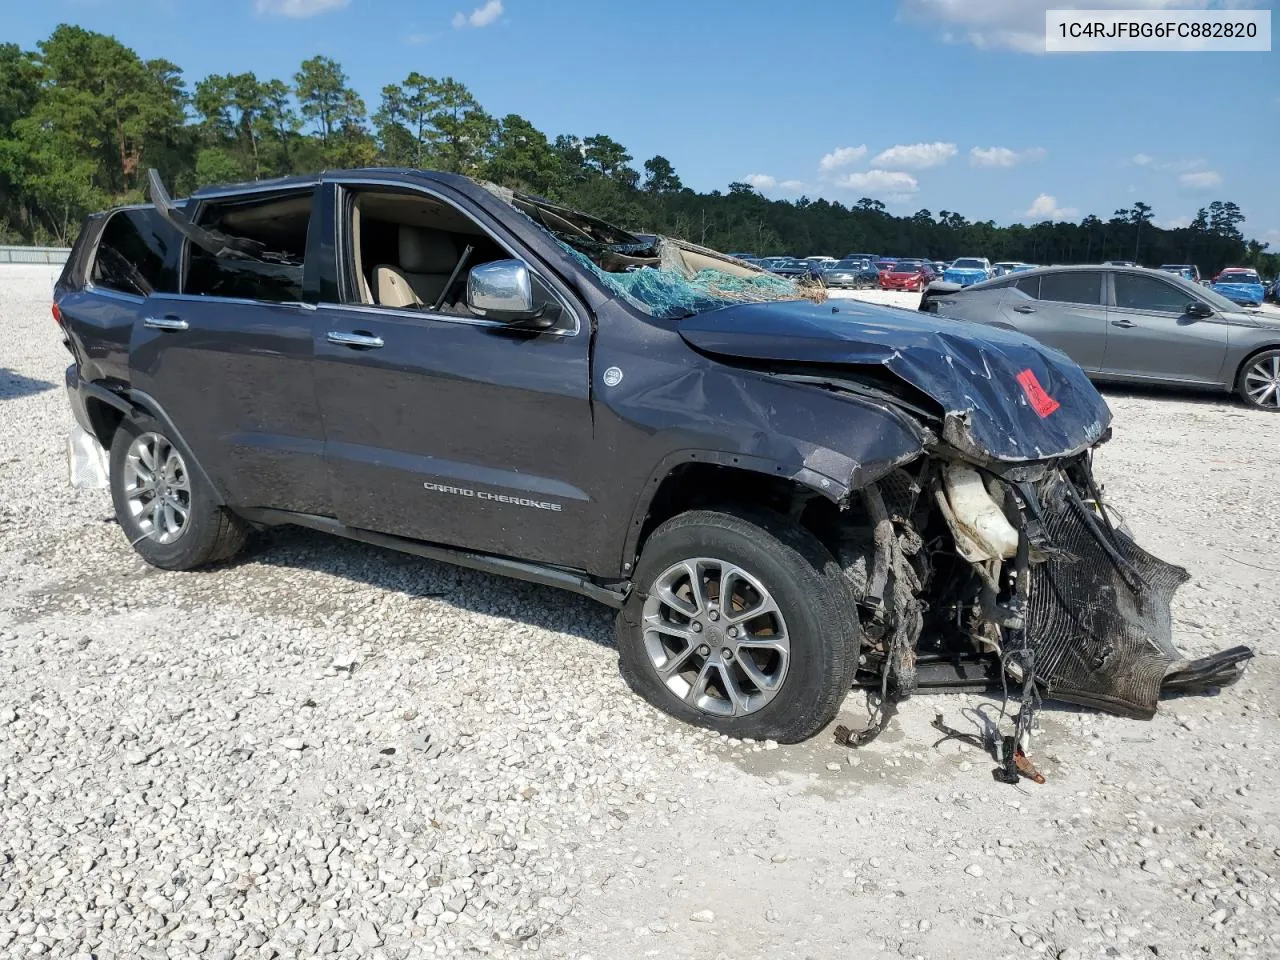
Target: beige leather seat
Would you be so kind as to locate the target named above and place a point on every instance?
(427, 257)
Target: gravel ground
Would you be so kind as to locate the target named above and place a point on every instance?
(325, 748)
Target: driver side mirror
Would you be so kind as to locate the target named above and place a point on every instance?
(503, 291)
(1198, 310)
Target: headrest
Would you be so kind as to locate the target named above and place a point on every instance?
(426, 251)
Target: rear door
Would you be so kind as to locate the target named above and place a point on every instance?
(1062, 309)
(1152, 337)
(448, 427)
(228, 358)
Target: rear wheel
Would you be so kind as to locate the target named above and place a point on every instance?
(167, 511)
(1259, 382)
(742, 622)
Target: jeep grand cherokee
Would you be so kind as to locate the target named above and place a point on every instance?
(781, 497)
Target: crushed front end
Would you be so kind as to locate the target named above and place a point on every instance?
(1017, 577)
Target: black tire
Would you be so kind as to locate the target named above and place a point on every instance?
(211, 533)
(1272, 401)
(806, 583)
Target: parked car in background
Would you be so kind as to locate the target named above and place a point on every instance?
(940, 267)
(885, 263)
(1273, 291)
(1119, 263)
(852, 274)
(1130, 324)
(873, 257)
(790, 267)
(967, 270)
(905, 276)
(1003, 267)
(1241, 285)
(1188, 271)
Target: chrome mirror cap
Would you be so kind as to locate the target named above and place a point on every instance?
(502, 290)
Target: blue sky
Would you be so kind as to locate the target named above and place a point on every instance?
(882, 98)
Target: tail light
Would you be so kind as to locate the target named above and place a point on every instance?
(57, 313)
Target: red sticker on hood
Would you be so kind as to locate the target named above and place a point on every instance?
(1041, 402)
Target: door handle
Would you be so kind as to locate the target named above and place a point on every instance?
(1024, 309)
(1123, 323)
(365, 340)
(164, 323)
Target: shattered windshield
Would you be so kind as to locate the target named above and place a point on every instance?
(662, 277)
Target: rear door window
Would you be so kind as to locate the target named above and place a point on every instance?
(1136, 292)
(270, 237)
(1074, 286)
(133, 254)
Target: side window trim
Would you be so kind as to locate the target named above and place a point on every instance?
(342, 243)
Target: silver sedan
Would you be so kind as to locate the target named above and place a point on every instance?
(1131, 325)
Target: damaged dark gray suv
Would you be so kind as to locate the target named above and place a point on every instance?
(781, 497)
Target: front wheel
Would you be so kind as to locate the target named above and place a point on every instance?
(742, 622)
(1259, 382)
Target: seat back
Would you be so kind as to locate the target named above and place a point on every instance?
(427, 257)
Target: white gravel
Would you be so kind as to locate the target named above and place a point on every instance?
(330, 749)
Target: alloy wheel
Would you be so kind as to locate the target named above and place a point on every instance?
(157, 488)
(716, 637)
(1262, 381)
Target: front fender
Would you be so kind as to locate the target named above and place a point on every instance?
(832, 443)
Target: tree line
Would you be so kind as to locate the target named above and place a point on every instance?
(82, 117)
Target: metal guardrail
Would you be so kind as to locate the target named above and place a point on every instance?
(48, 255)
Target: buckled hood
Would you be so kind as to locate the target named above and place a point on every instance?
(1003, 396)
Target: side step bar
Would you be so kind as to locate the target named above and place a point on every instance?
(610, 594)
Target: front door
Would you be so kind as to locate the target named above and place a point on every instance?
(1152, 337)
(446, 427)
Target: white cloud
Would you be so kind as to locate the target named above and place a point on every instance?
(1201, 180)
(1173, 223)
(1019, 24)
(1045, 207)
(882, 183)
(761, 181)
(916, 156)
(791, 186)
(1141, 159)
(1003, 156)
(480, 16)
(841, 157)
(299, 9)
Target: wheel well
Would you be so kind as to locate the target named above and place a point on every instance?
(1235, 380)
(104, 419)
(693, 486)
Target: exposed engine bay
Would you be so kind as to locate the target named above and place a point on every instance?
(969, 577)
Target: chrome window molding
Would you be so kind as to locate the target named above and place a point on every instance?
(92, 287)
(246, 301)
(375, 310)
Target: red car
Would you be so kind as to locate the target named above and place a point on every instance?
(904, 276)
